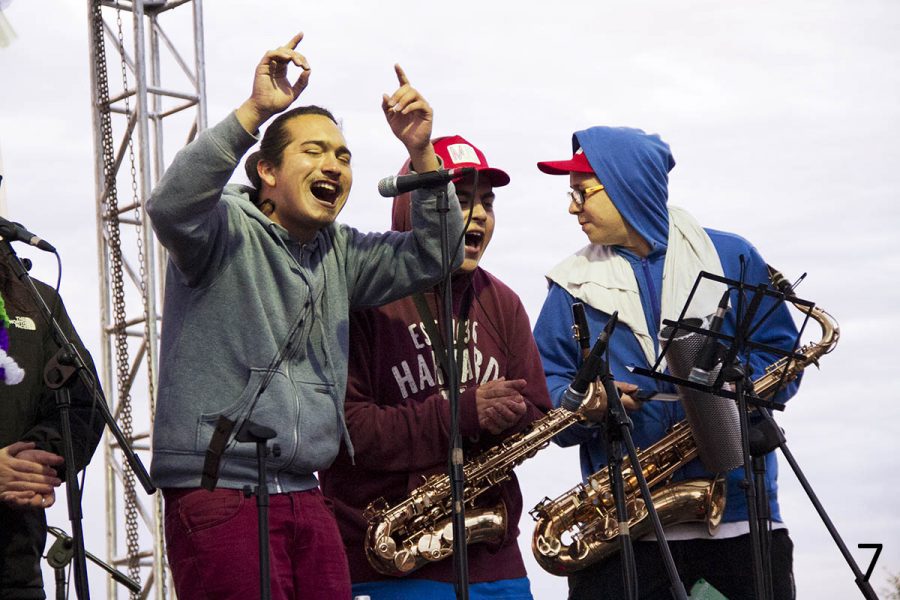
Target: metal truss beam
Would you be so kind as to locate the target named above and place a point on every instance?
(147, 73)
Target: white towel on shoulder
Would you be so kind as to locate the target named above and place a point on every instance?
(601, 278)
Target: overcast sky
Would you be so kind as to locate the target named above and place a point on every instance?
(782, 116)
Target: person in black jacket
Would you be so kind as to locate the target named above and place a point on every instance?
(31, 461)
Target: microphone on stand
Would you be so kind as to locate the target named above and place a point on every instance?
(714, 420)
(577, 391)
(706, 360)
(15, 232)
(400, 184)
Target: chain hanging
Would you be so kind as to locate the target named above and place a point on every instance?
(128, 480)
(114, 246)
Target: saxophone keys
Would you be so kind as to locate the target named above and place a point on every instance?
(404, 561)
(547, 546)
(386, 546)
(436, 547)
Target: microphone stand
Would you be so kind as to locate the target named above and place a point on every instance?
(736, 374)
(758, 454)
(754, 463)
(59, 376)
(456, 460)
(733, 372)
(770, 436)
(618, 421)
(60, 555)
(250, 432)
(763, 438)
(618, 432)
(260, 435)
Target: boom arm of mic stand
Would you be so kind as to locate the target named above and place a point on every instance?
(133, 459)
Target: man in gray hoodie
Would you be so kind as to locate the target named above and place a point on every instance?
(258, 289)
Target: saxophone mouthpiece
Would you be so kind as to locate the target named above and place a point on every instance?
(580, 328)
(780, 282)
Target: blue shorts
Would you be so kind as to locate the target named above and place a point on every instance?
(403, 589)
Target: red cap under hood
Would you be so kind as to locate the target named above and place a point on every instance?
(454, 151)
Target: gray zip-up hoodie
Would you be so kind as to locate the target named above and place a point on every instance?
(239, 290)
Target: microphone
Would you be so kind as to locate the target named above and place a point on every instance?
(14, 232)
(576, 393)
(714, 420)
(400, 184)
(706, 360)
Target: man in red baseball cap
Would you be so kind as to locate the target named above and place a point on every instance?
(399, 417)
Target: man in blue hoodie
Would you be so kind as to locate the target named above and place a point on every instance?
(642, 261)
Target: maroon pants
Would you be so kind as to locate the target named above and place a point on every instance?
(213, 546)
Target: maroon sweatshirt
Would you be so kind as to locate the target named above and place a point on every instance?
(399, 420)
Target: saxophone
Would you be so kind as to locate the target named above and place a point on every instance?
(580, 527)
(419, 529)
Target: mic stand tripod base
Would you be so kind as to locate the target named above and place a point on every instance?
(616, 423)
(736, 375)
(619, 426)
(60, 554)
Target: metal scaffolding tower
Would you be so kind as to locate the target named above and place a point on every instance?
(134, 112)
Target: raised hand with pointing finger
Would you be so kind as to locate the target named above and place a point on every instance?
(410, 118)
(273, 91)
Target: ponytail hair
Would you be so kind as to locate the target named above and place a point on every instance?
(250, 169)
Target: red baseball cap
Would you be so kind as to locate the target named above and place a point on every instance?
(457, 152)
(577, 164)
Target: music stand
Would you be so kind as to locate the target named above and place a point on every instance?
(739, 344)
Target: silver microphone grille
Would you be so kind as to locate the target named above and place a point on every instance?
(714, 420)
(387, 187)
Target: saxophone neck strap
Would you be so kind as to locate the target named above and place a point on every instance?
(437, 340)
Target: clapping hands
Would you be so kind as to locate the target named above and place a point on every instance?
(28, 475)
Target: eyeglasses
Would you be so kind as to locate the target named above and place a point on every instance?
(579, 196)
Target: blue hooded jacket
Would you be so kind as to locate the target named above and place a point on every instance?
(633, 166)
